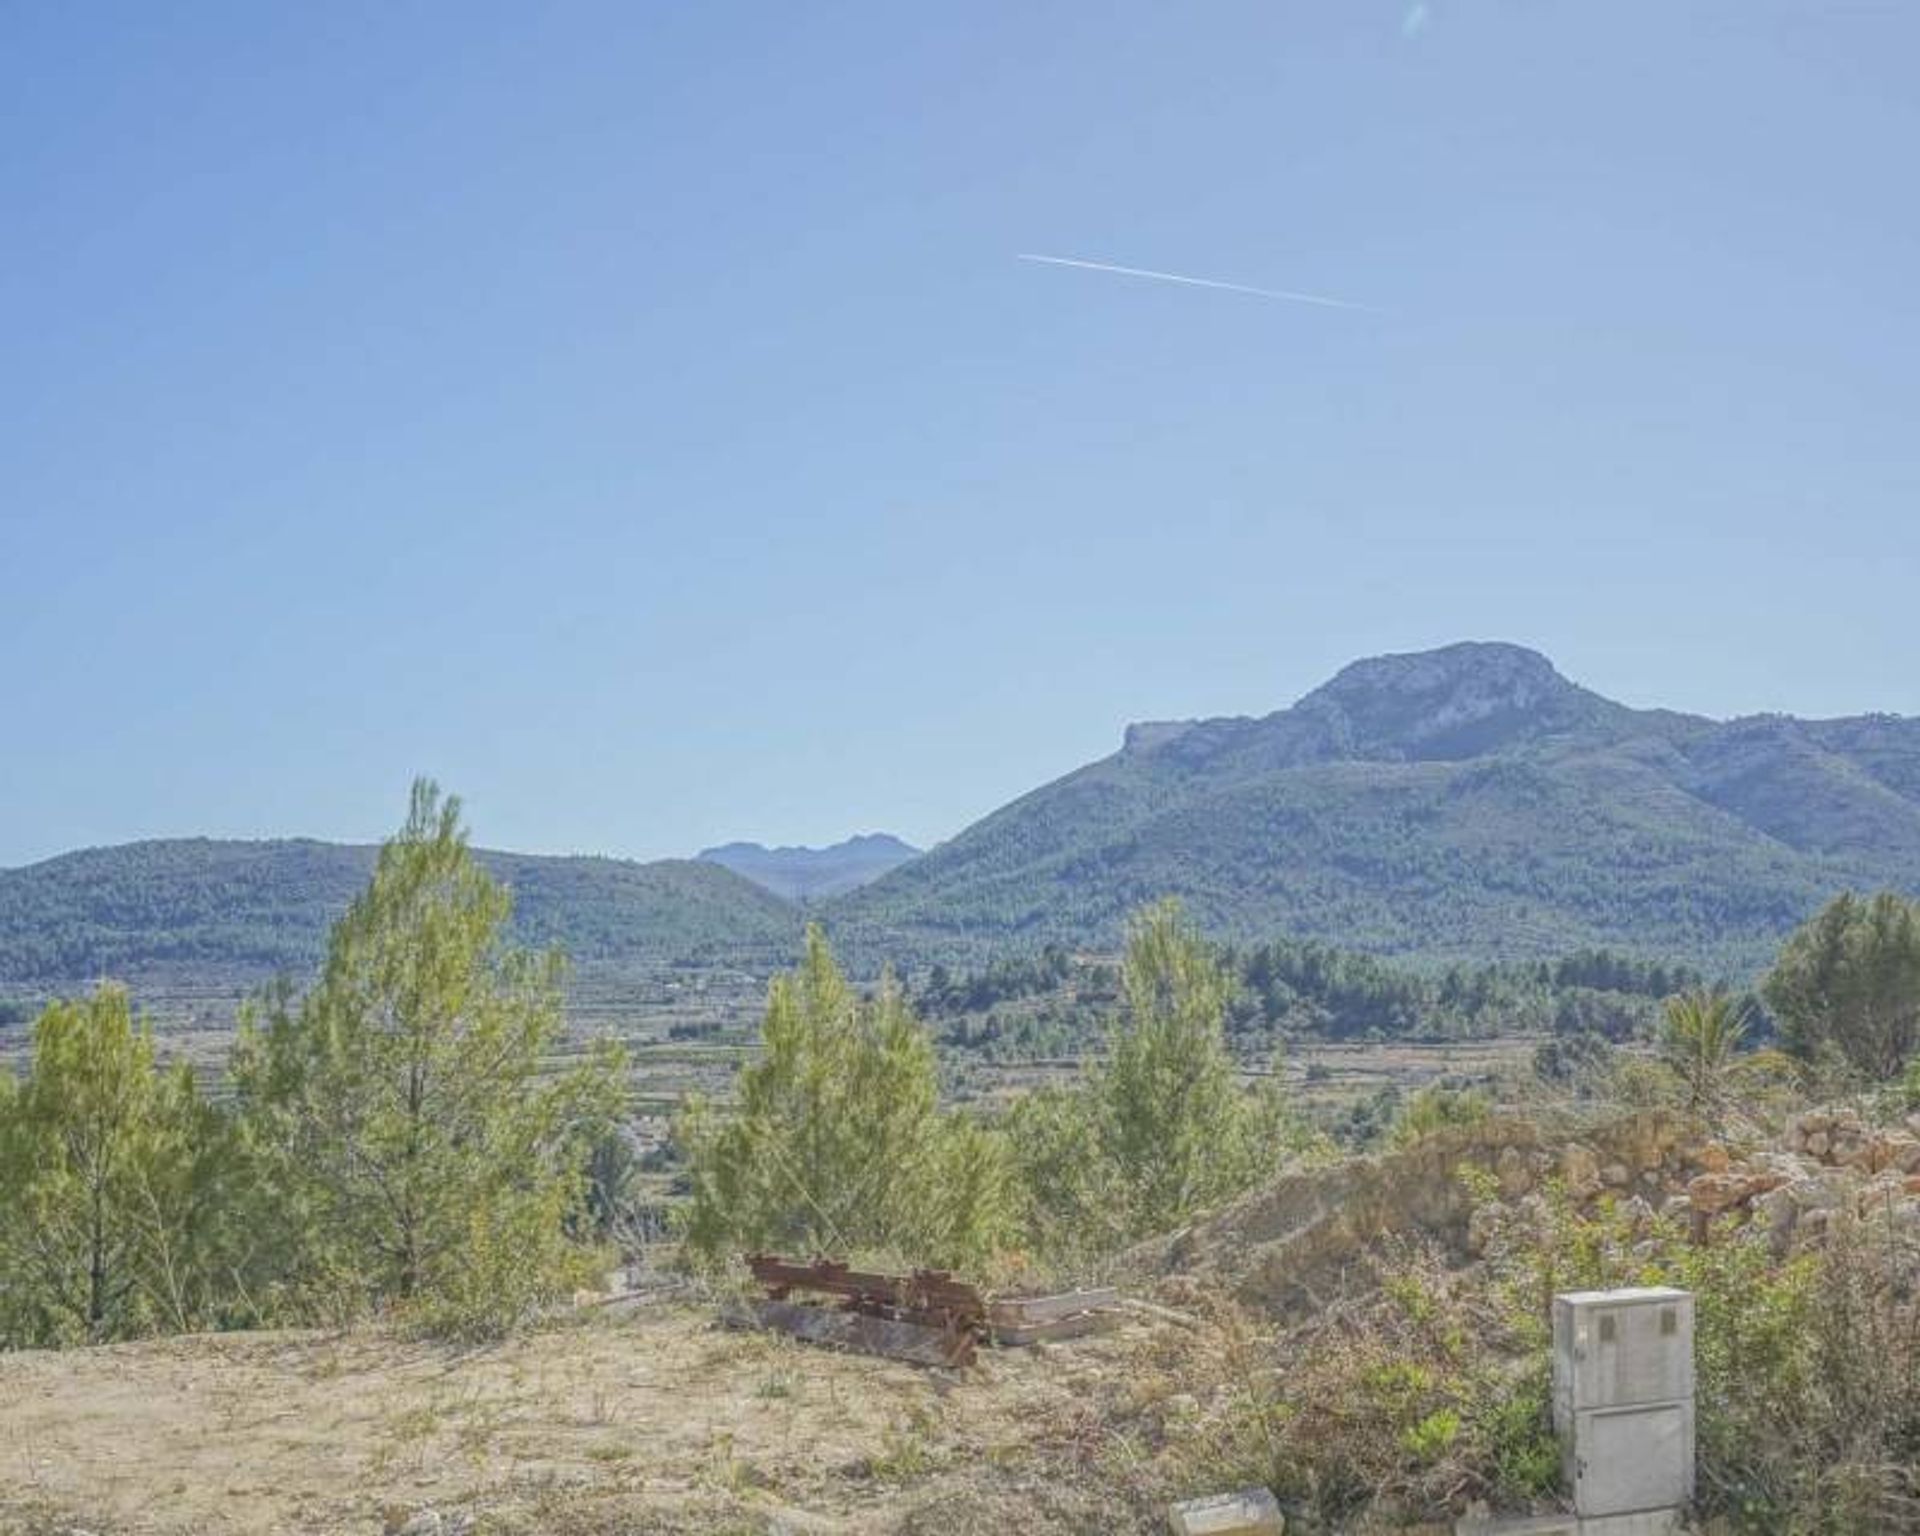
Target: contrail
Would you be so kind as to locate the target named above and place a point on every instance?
(1199, 282)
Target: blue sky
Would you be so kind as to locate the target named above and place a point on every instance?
(637, 416)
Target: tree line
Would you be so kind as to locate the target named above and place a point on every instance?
(838, 1141)
(1288, 988)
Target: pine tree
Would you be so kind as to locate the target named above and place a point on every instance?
(837, 1143)
(103, 1156)
(1174, 1121)
(419, 1149)
(1849, 981)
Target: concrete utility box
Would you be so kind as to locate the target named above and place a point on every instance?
(1623, 1399)
(1615, 1349)
(1248, 1512)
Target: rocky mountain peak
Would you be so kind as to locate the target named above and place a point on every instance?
(1457, 701)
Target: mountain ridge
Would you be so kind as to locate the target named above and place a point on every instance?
(1465, 802)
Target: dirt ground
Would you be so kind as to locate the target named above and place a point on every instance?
(652, 1421)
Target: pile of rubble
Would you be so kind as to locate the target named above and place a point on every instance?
(1830, 1163)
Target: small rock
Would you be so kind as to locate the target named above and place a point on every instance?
(1777, 1209)
(1516, 1178)
(1814, 1194)
(1581, 1171)
(1249, 1512)
(1710, 1193)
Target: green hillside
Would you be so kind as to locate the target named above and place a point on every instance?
(1462, 803)
(250, 909)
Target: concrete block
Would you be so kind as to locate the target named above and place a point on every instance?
(1647, 1522)
(1518, 1525)
(1247, 1512)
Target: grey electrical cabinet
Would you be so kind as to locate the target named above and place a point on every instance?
(1623, 1398)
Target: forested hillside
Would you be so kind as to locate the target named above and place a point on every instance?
(256, 908)
(1059, 1004)
(1467, 803)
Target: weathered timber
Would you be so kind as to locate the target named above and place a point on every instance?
(1029, 1311)
(895, 1338)
(929, 1300)
(1076, 1327)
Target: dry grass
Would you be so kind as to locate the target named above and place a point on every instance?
(653, 1422)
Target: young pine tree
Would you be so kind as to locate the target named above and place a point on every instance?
(837, 1143)
(1174, 1122)
(109, 1172)
(418, 1148)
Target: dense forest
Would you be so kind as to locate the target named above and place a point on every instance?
(1053, 1003)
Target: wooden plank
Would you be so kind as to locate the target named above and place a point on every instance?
(1027, 1311)
(1075, 1327)
(891, 1337)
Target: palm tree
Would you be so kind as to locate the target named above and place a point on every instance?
(1700, 1041)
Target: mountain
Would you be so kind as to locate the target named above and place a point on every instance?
(227, 912)
(806, 874)
(1463, 802)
